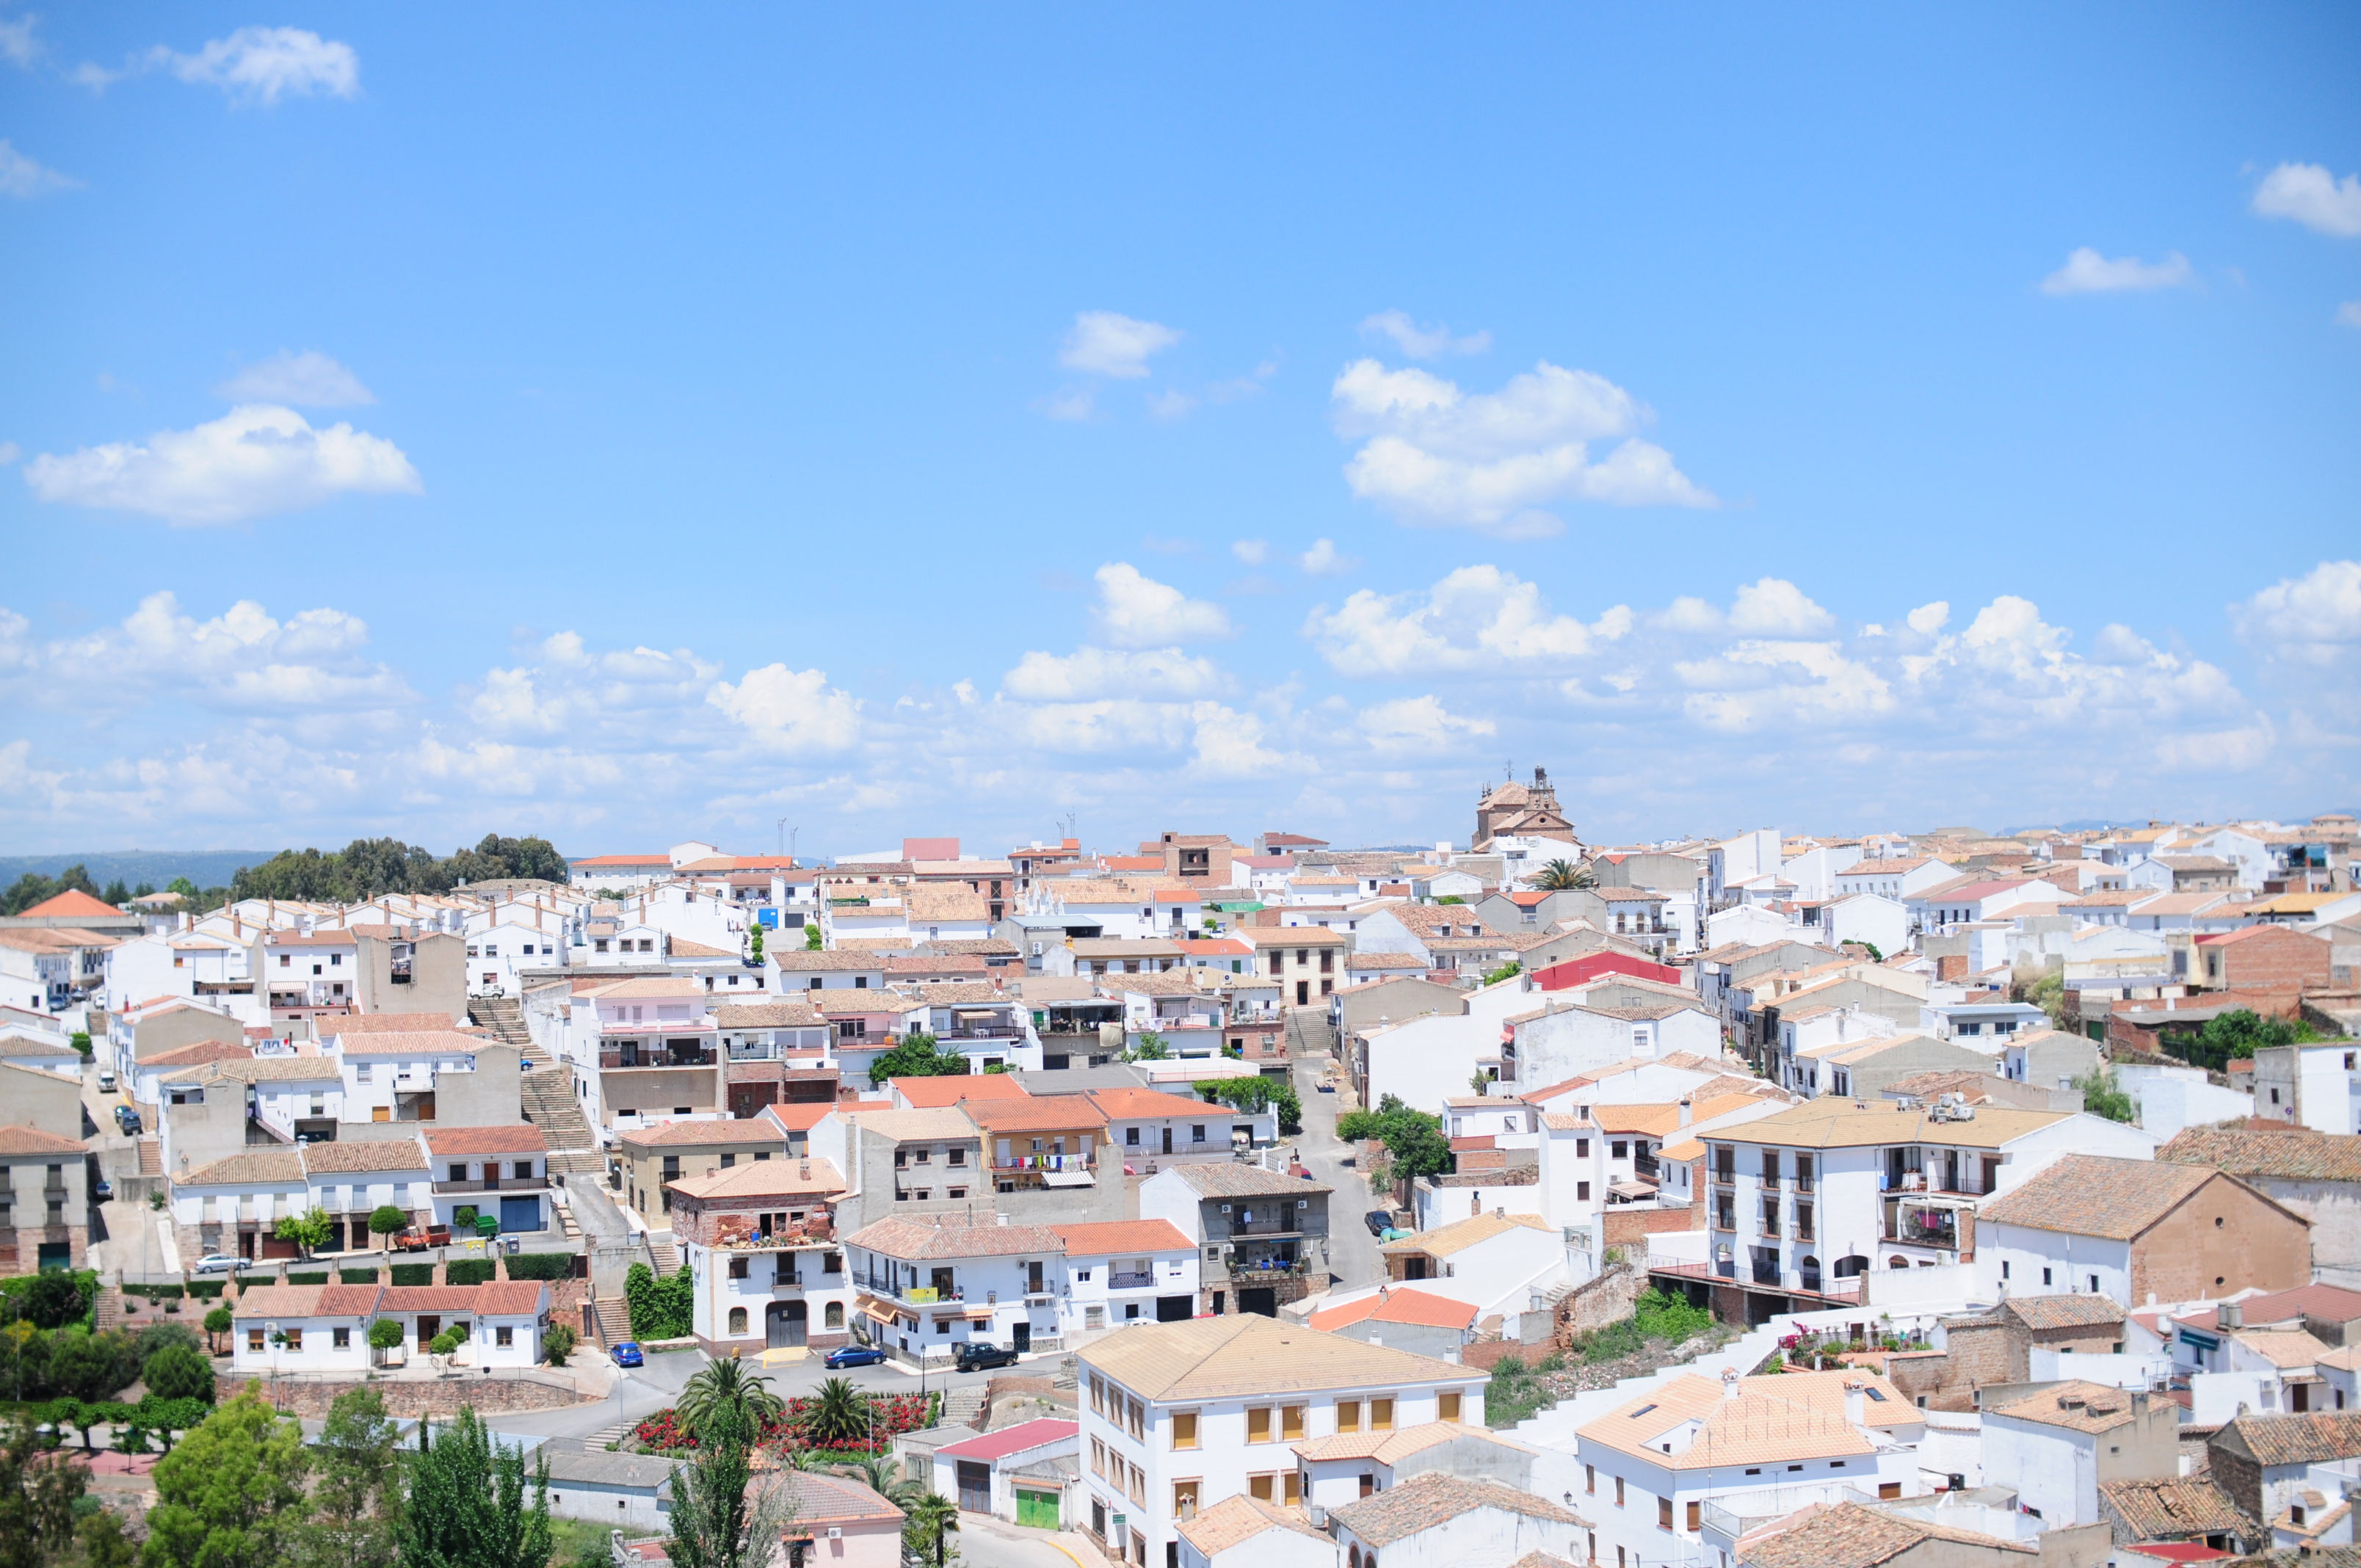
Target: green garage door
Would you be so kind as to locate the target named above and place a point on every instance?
(1038, 1509)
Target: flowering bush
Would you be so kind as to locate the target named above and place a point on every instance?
(893, 1414)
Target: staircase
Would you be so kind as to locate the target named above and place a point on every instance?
(504, 1016)
(151, 1156)
(665, 1257)
(546, 1099)
(607, 1436)
(110, 1309)
(614, 1322)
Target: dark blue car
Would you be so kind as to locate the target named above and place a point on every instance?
(628, 1354)
(853, 1355)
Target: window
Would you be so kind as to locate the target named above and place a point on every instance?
(1381, 1415)
(1184, 1429)
(1619, 1491)
(1259, 1424)
(1184, 1499)
(2045, 1277)
(295, 1338)
(738, 1268)
(1291, 1487)
(1582, 1190)
(504, 1335)
(1348, 1415)
(737, 1316)
(1446, 1407)
(1291, 1422)
(341, 1339)
(1663, 1513)
(1590, 1480)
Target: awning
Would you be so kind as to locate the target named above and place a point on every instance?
(1066, 1178)
(978, 1314)
(1632, 1188)
(879, 1313)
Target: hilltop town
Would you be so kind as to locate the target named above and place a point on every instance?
(1998, 1192)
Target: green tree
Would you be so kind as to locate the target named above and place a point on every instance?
(915, 1057)
(811, 938)
(309, 1230)
(384, 1219)
(927, 1524)
(37, 1499)
(754, 943)
(87, 1366)
(719, 1518)
(116, 893)
(179, 1372)
(1413, 1140)
(104, 1544)
(1564, 876)
(469, 1503)
(217, 1323)
(56, 1297)
(557, 1344)
(78, 1416)
(839, 1414)
(231, 1495)
(1151, 1047)
(658, 1308)
(182, 886)
(356, 1500)
(1509, 971)
(385, 1334)
(2102, 1096)
(722, 1385)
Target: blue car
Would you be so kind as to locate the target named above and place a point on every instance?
(853, 1355)
(628, 1354)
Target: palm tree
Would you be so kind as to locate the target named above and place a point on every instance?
(1563, 876)
(726, 1383)
(881, 1476)
(840, 1415)
(922, 1532)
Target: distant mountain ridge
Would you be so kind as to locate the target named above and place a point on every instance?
(206, 868)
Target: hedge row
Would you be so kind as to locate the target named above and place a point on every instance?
(356, 1276)
(204, 1289)
(413, 1274)
(542, 1265)
(307, 1280)
(469, 1271)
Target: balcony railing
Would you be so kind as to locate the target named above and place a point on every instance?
(633, 1059)
(989, 1032)
(1130, 1281)
(493, 1184)
(1042, 1162)
(811, 1234)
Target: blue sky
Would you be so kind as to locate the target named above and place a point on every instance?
(659, 426)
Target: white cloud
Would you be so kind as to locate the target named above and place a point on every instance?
(794, 711)
(1930, 619)
(2349, 314)
(2311, 196)
(1088, 672)
(1253, 551)
(569, 689)
(262, 65)
(1757, 682)
(1170, 405)
(252, 462)
(1232, 745)
(1324, 560)
(9, 453)
(2088, 273)
(1137, 611)
(306, 381)
(1775, 608)
(1416, 342)
(24, 179)
(1417, 725)
(1491, 461)
(2312, 620)
(18, 47)
(1479, 618)
(243, 660)
(1105, 343)
(1073, 407)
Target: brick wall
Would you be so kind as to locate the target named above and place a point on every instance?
(2268, 957)
(1631, 1228)
(1605, 1299)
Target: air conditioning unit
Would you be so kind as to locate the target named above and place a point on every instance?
(836, 1532)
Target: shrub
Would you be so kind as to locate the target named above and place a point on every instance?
(542, 1265)
(660, 1309)
(469, 1271)
(384, 1334)
(412, 1273)
(307, 1280)
(556, 1345)
(178, 1372)
(356, 1276)
(445, 1343)
(386, 1220)
(202, 1290)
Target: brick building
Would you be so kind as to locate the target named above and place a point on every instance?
(2261, 958)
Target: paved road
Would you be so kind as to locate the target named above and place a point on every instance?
(987, 1543)
(1352, 1251)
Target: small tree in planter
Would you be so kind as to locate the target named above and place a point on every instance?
(386, 1220)
(384, 1334)
(217, 1323)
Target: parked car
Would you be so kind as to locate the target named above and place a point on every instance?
(418, 1239)
(128, 1120)
(976, 1354)
(628, 1354)
(846, 1356)
(100, 1191)
(107, 1083)
(1380, 1221)
(220, 1263)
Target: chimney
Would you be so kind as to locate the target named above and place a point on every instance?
(1729, 1383)
(1856, 1405)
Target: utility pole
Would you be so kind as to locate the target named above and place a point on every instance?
(781, 826)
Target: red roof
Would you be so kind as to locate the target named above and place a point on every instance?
(950, 1089)
(1402, 1306)
(1037, 1433)
(1575, 971)
(2208, 940)
(73, 902)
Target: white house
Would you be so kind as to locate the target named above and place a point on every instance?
(498, 1173)
(2059, 1445)
(1121, 1272)
(1439, 1520)
(619, 1491)
(322, 1330)
(1496, 1263)
(1178, 1417)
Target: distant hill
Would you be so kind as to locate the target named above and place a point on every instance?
(206, 868)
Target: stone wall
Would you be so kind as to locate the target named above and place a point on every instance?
(1598, 1302)
(406, 1396)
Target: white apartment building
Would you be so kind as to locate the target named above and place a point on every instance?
(1658, 1469)
(1177, 1417)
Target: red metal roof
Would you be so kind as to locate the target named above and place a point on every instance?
(1039, 1433)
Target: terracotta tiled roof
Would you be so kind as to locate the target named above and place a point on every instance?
(1426, 1501)
(755, 1179)
(2064, 1312)
(1241, 1353)
(20, 1139)
(954, 1089)
(918, 1241)
(2076, 1405)
(340, 1157)
(2178, 1510)
(307, 1300)
(2296, 1155)
(1850, 1536)
(1124, 1237)
(261, 1167)
(521, 1138)
(1461, 1235)
(74, 902)
(2090, 1195)
(1238, 1518)
(2295, 1438)
(767, 1015)
(1398, 1305)
(1228, 1181)
(727, 1131)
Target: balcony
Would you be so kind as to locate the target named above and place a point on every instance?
(1919, 1222)
(1129, 1280)
(811, 1234)
(1003, 1032)
(495, 1184)
(1038, 1164)
(634, 1057)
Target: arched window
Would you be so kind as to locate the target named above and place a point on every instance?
(834, 1317)
(1353, 1558)
(737, 1319)
(1897, 1263)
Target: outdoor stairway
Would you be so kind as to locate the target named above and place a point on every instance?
(110, 1308)
(962, 1405)
(546, 1099)
(614, 1322)
(666, 1258)
(607, 1436)
(504, 1016)
(151, 1156)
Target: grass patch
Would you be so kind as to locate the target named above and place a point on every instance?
(1658, 1322)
